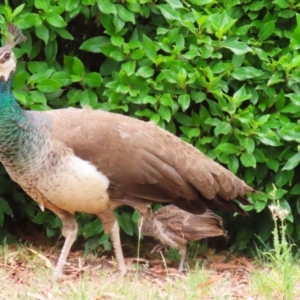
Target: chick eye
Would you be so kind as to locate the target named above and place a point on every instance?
(7, 55)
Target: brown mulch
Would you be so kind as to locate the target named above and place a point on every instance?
(154, 268)
(158, 270)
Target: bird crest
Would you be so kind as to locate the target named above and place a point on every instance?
(14, 36)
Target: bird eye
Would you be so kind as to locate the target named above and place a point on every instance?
(7, 55)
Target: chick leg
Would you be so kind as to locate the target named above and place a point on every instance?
(182, 251)
(111, 226)
(69, 231)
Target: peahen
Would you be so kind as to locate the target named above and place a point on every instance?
(175, 228)
(83, 160)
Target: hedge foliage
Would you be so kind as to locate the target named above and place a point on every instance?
(222, 75)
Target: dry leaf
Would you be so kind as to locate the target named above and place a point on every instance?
(210, 281)
(249, 266)
(223, 266)
(48, 263)
(216, 258)
(36, 296)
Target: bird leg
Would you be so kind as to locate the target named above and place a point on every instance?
(111, 226)
(182, 251)
(158, 248)
(69, 231)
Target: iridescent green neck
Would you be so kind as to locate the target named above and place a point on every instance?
(10, 110)
(23, 134)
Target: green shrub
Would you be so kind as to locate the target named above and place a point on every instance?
(222, 75)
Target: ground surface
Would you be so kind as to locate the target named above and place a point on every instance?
(25, 273)
(26, 269)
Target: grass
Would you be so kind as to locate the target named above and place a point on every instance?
(27, 277)
(25, 273)
(281, 272)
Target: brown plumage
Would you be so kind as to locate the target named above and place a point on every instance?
(83, 160)
(175, 227)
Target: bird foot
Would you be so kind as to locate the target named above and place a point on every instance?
(122, 272)
(56, 276)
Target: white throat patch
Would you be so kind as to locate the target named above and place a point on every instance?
(6, 68)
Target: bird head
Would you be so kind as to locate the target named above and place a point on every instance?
(8, 61)
(144, 210)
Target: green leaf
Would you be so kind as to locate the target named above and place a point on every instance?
(221, 23)
(166, 100)
(4, 207)
(149, 99)
(273, 164)
(37, 66)
(62, 78)
(198, 97)
(95, 44)
(119, 24)
(296, 190)
(236, 47)
(78, 67)
(18, 9)
(117, 40)
(123, 89)
(125, 223)
(39, 76)
(183, 119)
(125, 14)
(292, 162)
(117, 55)
(275, 78)
(55, 20)
(193, 132)
(129, 67)
(92, 228)
(40, 4)
(285, 205)
(266, 30)
(165, 113)
(281, 3)
(295, 98)
(51, 51)
(227, 148)
(168, 12)
(249, 144)
(223, 128)
(106, 6)
(268, 137)
(298, 206)
(233, 164)
(149, 48)
(290, 132)
(184, 101)
(181, 76)
(248, 160)
(38, 97)
(72, 5)
(64, 33)
(74, 96)
(48, 86)
(259, 205)
(88, 97)
(145, 72)
(137, 54)
(241, 95)
(244, 73)
(93, 79)
(1, 218)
